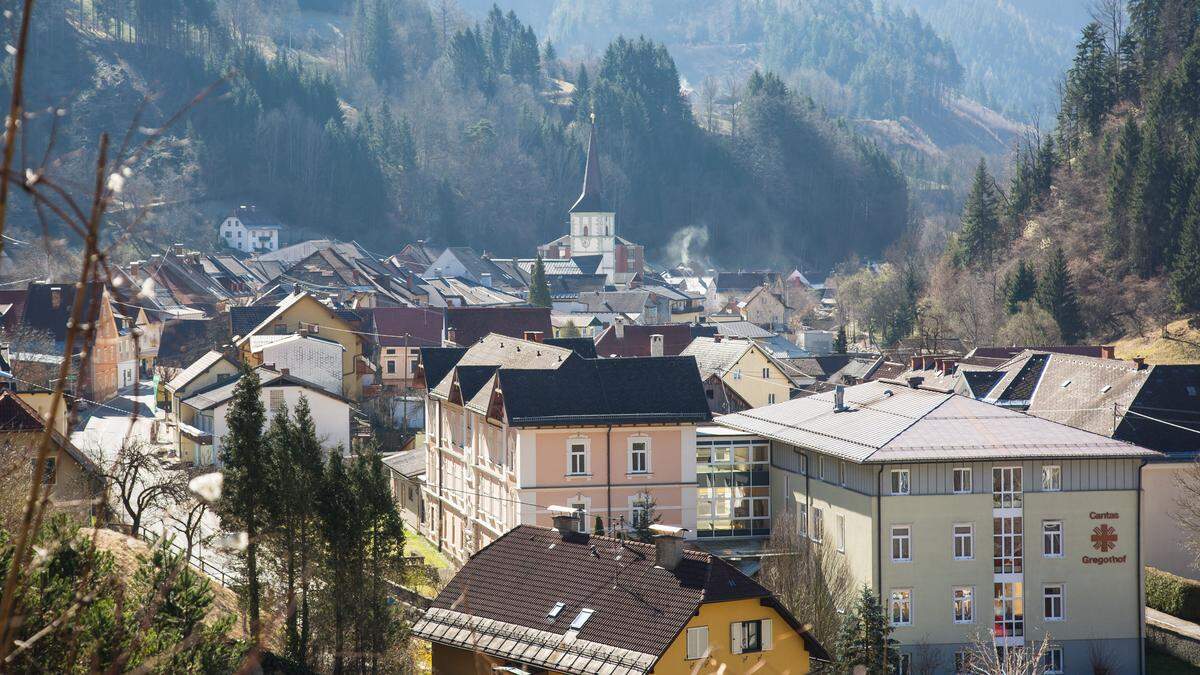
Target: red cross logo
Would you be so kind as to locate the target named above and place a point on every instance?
(1104, 538)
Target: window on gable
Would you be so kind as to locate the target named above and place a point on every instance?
(963, 480)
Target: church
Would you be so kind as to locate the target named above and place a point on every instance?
(593, 242)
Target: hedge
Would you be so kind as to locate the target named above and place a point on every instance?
(1174, 595)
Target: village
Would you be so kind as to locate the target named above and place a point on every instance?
(605, 467)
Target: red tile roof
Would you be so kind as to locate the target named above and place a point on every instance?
(408, 326)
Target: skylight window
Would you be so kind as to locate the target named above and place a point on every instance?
(555, 610)
(584, 615)
(1066, 383)
(1105, 388)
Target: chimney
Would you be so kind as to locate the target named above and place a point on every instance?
(915, 382)
(1108, 352)
(533, 335)
(656, 345)
(717, 338)
(839, 398)
(948, 366)
(915, 363)
(566, 520)
(619, 327)
(452, 335)
(284, 371)
(668, 545)
(134, 268)
(1140, 361)
(485, 278)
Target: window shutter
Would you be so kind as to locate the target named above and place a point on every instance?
(735, 638)
(768, 636)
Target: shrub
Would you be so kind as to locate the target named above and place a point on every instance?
(1172, 594)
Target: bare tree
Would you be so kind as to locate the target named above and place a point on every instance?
(143, 484)
(986, 657)
(708, 98)
(187, 518)
(733, 91)
(927, 659)
(810, 578)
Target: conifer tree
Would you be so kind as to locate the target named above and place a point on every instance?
(1089, 86)
(1019, 286)
(1185, 270)
(1120, 187)
(865, 638)
(1056, 294)
(246, 469)
(1150, 204)
(979, 236)
(539, 288)
(581, 97)
(839, 341)
(598, 529)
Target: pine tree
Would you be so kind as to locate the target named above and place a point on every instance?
(866, 637)
(1150, 204)
(979, 236)
(582, 96)
(839, 342)
(1120, 186)
(598, 529)
(1089, 87)
(570, 330)
(246, 469)
(1019, 286)
(1056, 294)
(379, 54)
(539, 288)
(1185, 271)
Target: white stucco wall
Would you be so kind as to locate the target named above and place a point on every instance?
(331, 417)
(316, 361)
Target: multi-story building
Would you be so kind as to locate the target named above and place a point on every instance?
(514, 426)
(948, 506)
(557, 600)
(250, 231)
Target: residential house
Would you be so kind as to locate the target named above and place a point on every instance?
(211, 369)
(622, 340)
(727, 287)
(415, 257)
(407, 472)
(465, 262)
(563, 601)
(764, 307)
(587, 325)
(400, 332)
(206, 410)
(967, 519)
(459, 292)
(49, 309)
(72, 478)
(739, 374)
(637, 305)
(467, 325)
(301, 312)
(250, 230)
(304, 355)
(593, 230)
(513, 424)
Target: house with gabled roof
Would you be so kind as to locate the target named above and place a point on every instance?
(210, 369)
(739, 374)
(71, 476)
(514, 423)
(250, 230)
(558, 600)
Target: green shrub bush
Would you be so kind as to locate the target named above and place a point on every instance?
(1172, 594)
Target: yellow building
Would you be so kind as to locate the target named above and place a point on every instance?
(540, 600)
(738, 374)
(302, 312)
(967, 519)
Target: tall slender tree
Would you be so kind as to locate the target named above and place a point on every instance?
(1056, 294)
(1120, 186)
(1019, 286)
(246, 468)
(979, 237)
(1185, 270)
(539, 288)
(866, 637)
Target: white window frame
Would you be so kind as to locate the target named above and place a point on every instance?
(969, 538)
(904, 539)
(770, 399)
(637, 503)
(1052, 532)
(1061, 595)
(901, 482)
(1051, 665)
(820, 467)
(802, 518)
(1051, 478)
(629, 463)
(697, 638)
(840, 520)
(581, 524)
(905, 665)
(587, 456)
(900, 600)
(963, 486)
(962, 600)
(817, 530)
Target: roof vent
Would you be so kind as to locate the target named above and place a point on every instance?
(656, 345)
(915, 382)
(668, 545)
(839, 398)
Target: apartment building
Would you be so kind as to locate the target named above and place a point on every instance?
(515, 426)
(968, 519)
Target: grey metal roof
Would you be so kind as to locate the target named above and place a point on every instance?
(743, 329)
(713, 357)
(198, 368)
(890, 422)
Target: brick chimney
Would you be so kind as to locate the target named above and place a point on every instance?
(948, 366)
(915, 363)
(717, 337)
(533, 335)
(566, 520)
(1108, 352)
(1140, 361)
(619, 327)
(668, 545)
(656, 345)
(452, 335)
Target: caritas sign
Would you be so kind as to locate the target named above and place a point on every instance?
(1104, 538)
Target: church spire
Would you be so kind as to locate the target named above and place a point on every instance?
(589, 199)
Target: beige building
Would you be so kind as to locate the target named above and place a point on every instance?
(968, 519)
(738, 373)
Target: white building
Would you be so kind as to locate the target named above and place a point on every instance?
(307, 357)
(250, 231)
(206, 411)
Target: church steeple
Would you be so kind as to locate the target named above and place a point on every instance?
(589, 199)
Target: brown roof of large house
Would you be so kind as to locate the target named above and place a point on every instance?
(408, 326)
(471, 324)
(637, 608)
(636, 339)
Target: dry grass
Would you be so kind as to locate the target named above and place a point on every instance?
(1176, 343)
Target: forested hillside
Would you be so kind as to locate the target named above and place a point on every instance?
(386, 121)
(1098, 233)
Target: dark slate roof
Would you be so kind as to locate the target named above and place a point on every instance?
(41, 314)
(580, 345)
(636, 340)
(243, 320)
(476, 266)
(636, 605)
(437, 362)
(1172, 393)
(606, 391)
(743, 329)
(587, 264)
(620, 302)
(472, 378)
(820, 367)
(590, 200)
(403, 326)
(1095, 351)
(742, 281)
(251, 217)
(1025, 383)
(16, 416)
(472, 323)
(982, 381)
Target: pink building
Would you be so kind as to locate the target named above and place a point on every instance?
(514, 427)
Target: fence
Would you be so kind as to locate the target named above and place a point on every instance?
(208, 569)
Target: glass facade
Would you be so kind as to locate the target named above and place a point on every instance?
(733, 481)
